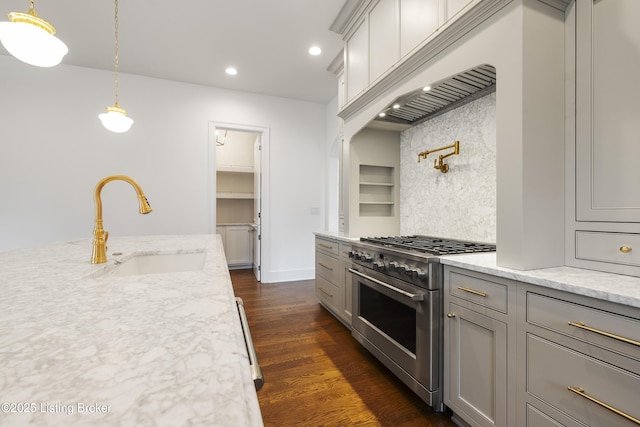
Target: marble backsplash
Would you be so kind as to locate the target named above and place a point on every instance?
(460, 204)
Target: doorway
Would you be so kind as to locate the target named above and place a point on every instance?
(236, 189)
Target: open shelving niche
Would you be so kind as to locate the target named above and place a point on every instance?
(376, 190)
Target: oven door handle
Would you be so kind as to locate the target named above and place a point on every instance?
(414, 297)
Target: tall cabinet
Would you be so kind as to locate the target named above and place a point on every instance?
(235, 197)
(603, 172)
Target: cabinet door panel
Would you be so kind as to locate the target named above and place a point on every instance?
(607, 111)
(418, 20)
(358, 61)
(477, 366)
(383, 38)
(239, 245)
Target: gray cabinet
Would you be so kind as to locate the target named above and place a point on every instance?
(580, 360)
(602, 174)
(518, 354)
(333, 281)
(479, 348)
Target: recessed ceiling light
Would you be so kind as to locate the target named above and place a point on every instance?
(426, 88)
(382, 114)
(315, 50)
(396, 106)
(231, 71)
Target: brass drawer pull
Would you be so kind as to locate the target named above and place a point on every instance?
(472, 291)
(606, 334)
(325, 246)
(625, 249)
(451, 315)
(580, 391)
(325, 266)
(326, 293)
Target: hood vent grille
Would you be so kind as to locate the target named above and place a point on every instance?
(419, 105)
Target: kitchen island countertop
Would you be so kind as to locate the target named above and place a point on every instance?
(146, 350)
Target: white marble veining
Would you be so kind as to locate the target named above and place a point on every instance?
(596, 284)
(148, 350)
(461, 203)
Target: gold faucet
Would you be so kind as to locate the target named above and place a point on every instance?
(439, 163)
(100, 236)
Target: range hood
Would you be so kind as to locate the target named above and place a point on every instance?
(420, 105)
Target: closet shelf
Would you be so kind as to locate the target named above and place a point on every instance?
(235, 195)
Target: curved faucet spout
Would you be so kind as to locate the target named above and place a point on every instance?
(100, 236)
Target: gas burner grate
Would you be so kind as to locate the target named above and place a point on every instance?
(432, 245)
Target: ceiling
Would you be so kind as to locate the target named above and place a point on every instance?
(194, 41)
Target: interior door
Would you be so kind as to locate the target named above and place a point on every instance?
(257, 205)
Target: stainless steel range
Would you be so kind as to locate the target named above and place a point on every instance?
(398, 313)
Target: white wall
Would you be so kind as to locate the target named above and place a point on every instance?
(53, 151)
(461, 203)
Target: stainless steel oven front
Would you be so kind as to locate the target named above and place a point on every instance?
(399, 323)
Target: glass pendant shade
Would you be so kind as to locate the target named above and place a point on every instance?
(31, 40)
(115, 119)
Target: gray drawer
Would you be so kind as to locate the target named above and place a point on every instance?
(479, 291)
(329, 247)
(328, 267)
(345, 248)
(552, 369)
(328, 293)
(607, 330)
(618, 248)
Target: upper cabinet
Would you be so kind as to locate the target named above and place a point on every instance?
(602, 173)
(385, 34)
(419, 19)
(607, 150)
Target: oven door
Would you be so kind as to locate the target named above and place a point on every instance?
(399, 324)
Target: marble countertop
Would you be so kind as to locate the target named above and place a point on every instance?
(337, 235)
(596, 284)
(148, 350)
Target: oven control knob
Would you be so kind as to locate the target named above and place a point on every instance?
(393, 265)
(352, 254)
(357, 256)
(412, 272)
(402, 269)
(422, 275)
(367, 258)
(378, 265)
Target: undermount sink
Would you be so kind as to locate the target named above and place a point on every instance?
(159, 264)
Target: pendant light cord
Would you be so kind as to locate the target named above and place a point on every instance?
(116, 47)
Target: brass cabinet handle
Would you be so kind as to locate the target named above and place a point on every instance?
(472, 291)
(325, 246)
(625, 249)
(581, 325)
(325, 266)
(580, 391)
(451, 315)
(326, 293)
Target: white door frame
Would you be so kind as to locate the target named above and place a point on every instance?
(265, 260)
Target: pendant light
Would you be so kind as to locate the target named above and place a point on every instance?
(115, 119)
(31, 39)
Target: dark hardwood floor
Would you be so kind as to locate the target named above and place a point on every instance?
(315, 373)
